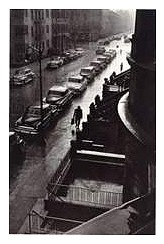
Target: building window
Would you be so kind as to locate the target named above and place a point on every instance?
(35, 14)
(47, 28)
(32, 31)
(43, 45)
(26, 29)
(26, 13)
(42, 29)
(47, 13)
(42, 13)
(39, 12)
(32, 14)
(48, 43)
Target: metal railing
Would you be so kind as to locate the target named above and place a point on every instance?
(59, 174)
(40, 224)
(91, 195)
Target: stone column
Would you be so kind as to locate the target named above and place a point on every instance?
(137, 109)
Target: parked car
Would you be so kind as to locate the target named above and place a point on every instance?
(88, 72)
(111, 53)
(22, 76)
(72, 54)
(55, 63)
(106, 42)
(103, 61)
(77, 84)
(100, 50)
(65, 58)
(108, 58)
(98, 66)
(100, 43)
(127, 38)
(31, 124)
(59, 96)
(79, 51)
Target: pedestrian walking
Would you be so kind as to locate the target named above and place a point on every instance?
(106, 81)
(113, 75)
(121, 66)
(77, 116)
(97, 101)
(92, 109)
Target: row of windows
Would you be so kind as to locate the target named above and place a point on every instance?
(42, 13)
(39, 29)
(60, 28)
(44, 44)
(37, 13)
(61, 13)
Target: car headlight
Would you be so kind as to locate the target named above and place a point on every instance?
(36, 126)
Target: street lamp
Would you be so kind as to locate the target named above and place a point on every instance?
(39, 52)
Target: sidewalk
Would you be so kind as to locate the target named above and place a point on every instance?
(39, 208)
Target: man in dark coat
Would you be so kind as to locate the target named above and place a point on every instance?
(78, 114)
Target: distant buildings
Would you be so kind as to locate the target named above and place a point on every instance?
(29, 27)
(57, 30)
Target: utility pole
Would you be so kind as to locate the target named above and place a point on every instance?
(39, 52)
(40, 80)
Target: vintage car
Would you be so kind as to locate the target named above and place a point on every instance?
(32, 123)
(106, 59)
(100, 50)
(88, 72)
(79, 51)
(60, 96)
(55, 63)
(111, 53)
(98, 66)
(22, 76)
(72, 54)
(77, 84)
(103, 61)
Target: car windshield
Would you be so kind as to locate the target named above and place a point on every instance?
(22, 72)
(32, 112)
(100, 43)
(19, 72)
(93, 64)
(102, 59)
(76, 80)
(85, 71)
(57, 93)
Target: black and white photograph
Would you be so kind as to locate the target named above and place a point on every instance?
(82, 121)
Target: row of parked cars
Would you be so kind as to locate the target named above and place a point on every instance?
(25, 75)
(32, 122)
(65, 58)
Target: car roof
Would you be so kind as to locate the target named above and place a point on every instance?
(58, 88)
(88, 67)
(95, 61)
(23, 69)
(76, 77)
(45, 105)
(101, 57)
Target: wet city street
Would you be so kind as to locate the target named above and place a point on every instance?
(29, 176)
